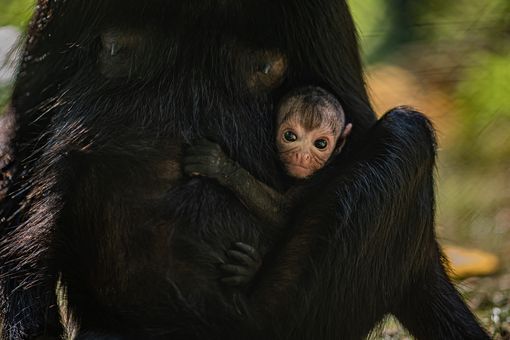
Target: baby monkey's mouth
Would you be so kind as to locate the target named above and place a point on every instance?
(299, 171)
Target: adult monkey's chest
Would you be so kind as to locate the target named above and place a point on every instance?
(200, 84)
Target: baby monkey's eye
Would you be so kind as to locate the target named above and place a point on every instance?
(289, 136)
(321, 144)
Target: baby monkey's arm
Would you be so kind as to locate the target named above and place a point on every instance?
(207, 159)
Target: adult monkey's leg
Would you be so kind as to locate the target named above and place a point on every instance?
(361, 242)
(432, 306)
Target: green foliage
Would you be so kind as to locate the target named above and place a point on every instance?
(15, 12)
(473, 194)
(385, 25)
(371, 17)
(463, 20)
(484, 88)
(485, 108)
(5, 92)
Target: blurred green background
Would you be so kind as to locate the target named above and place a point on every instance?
(451, 60)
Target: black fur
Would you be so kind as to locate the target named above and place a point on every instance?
(96, 198)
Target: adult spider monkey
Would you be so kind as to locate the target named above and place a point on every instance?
(108, 94)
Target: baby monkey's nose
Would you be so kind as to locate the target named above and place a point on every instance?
(303, 158)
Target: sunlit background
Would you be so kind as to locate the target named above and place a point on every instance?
(451, 60)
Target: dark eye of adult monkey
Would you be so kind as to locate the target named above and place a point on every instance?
(270, 70)
(123, 53)
(118, 49)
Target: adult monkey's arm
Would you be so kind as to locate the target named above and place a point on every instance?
(28, 276)
(364, 237)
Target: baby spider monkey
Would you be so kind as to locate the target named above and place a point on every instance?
(311, 128)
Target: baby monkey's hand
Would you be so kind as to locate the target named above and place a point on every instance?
(245, 263)
(207, 159)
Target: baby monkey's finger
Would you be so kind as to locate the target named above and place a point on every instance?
(249, 250)
(196, 160)
(241, 257)
(194, 169)
(233, 269)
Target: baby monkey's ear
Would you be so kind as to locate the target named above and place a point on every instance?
(343, 138)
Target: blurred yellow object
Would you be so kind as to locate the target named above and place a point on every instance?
(470, 262)
(391, 86)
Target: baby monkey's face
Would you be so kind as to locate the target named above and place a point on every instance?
(304, 151)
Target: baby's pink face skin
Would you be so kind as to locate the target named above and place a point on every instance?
(303, 151)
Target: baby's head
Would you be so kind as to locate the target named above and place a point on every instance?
(311, 128)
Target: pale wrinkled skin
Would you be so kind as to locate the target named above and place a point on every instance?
(301, 158)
